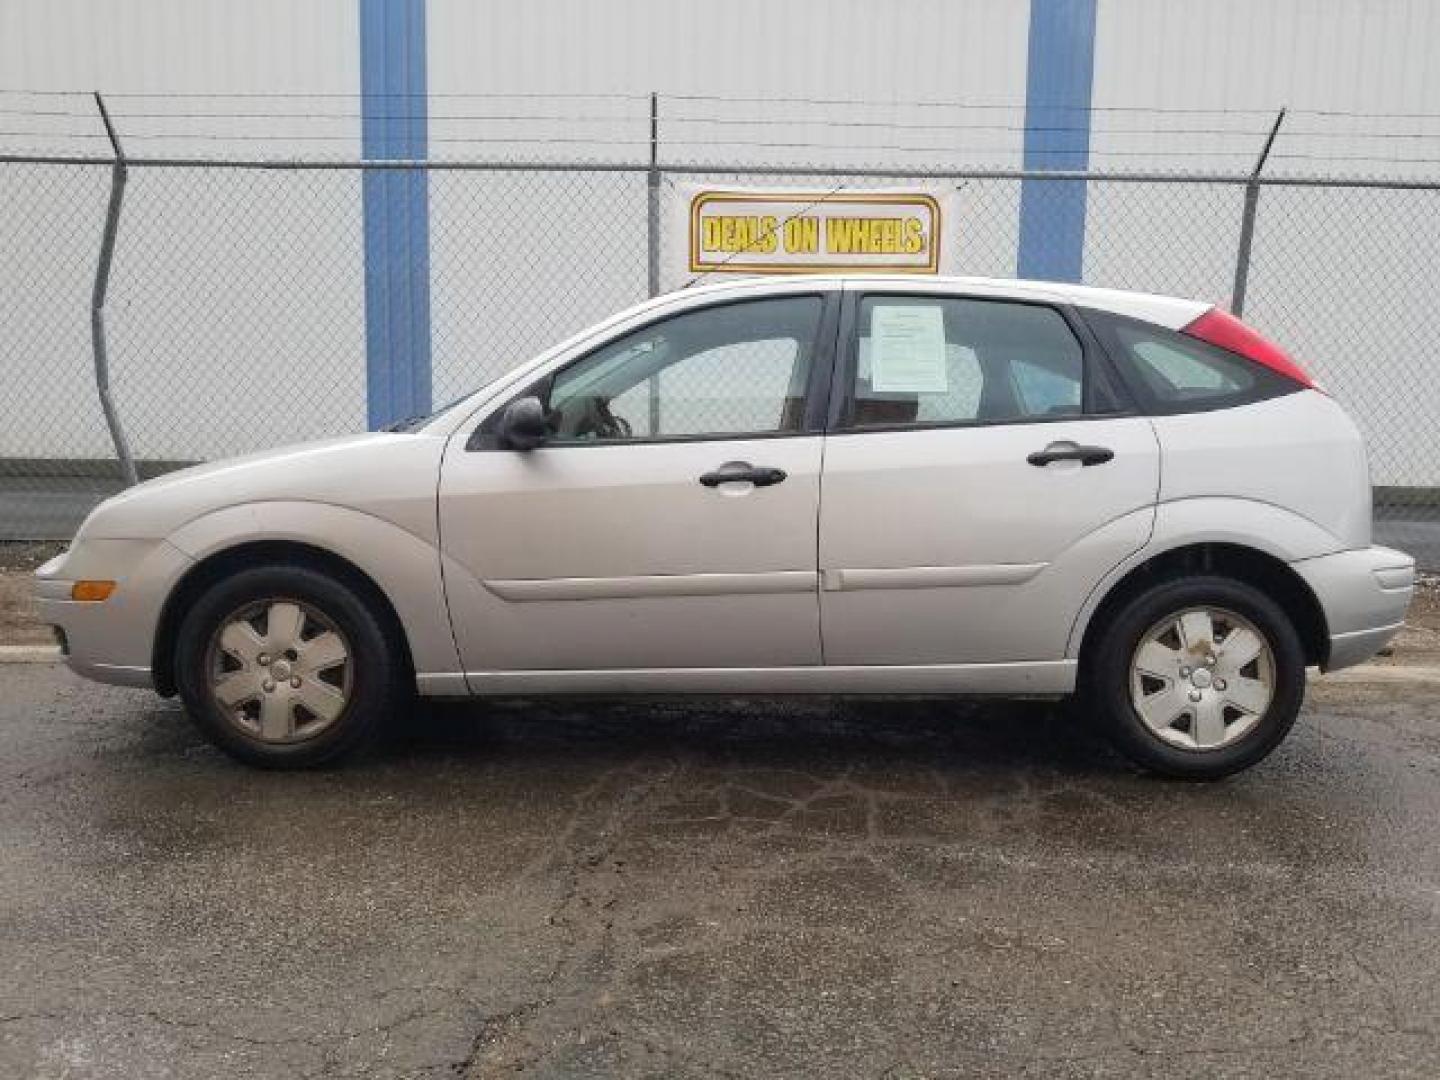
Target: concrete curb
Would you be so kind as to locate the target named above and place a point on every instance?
(29, 654)
(1364, 673)
(1381, 673)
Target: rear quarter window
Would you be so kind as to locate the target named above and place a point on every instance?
(1170, 372)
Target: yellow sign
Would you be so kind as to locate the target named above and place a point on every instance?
(793, 232)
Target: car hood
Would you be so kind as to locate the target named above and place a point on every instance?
(391, 475)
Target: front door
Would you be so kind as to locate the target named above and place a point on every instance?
(979, 481)
(670, 519)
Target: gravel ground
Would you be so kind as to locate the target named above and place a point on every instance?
(701, 889)
(17, 615)
(1419, 641)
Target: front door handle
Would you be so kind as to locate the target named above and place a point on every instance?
(733, 472)
(1070, 451)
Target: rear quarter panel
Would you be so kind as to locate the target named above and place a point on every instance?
(1299, 453)
(1287, 477)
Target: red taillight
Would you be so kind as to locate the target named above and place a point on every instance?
(1223, 329)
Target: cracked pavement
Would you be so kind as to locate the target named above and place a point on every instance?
(837, 889)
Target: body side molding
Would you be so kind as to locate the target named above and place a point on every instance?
(523, 590)
(928, 577)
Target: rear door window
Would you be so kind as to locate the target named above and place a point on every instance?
(938, 360)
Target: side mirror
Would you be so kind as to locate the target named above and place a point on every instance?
(523, 426)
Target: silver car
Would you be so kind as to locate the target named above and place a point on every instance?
(839, 485)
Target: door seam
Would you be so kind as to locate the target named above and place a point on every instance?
(819, 519)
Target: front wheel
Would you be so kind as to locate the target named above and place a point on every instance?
(286, 667)
(1196, 678)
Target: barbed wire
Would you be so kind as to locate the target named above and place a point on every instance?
(669, 117)
(596, 141)
(769, 101)
(290, 122)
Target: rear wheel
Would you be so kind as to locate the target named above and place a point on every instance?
(286, 667)
(1196, 678)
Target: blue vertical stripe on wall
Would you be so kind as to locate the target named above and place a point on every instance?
(396, 210)
(1057, 136)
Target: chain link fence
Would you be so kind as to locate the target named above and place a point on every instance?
(236, 307)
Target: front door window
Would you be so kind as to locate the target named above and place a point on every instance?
(726, 371)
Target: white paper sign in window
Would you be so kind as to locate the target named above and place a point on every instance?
(907, 349)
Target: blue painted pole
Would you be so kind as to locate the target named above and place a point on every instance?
(396, 210)
(1057, 136)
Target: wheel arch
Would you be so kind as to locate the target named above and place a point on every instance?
(247, 554)
(1259, 569)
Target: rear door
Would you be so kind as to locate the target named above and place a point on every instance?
(981, 475)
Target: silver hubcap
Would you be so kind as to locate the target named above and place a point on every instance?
(1202, 678)
(280, 670)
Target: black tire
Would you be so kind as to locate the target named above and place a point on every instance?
(377, 682)
(1106, 677)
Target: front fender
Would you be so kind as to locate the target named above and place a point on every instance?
(404, 566)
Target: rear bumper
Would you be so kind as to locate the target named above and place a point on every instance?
(1364, 594)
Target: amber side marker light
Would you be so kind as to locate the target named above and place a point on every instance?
(92, 590)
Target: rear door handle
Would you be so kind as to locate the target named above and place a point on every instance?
(1070, 451)
(733, 472)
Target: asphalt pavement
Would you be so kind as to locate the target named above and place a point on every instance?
(700, 889)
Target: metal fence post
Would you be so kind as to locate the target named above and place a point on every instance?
(652, 201)
(652, 240)
(1247, 221)
(97, 299)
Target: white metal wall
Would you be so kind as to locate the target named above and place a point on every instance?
(180, 46)
(194, 248)
(744, 82)
(1339, 277)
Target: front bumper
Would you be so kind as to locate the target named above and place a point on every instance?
(110, 641)
(1364, 594)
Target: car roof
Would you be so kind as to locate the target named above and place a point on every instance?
(1170, 311)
